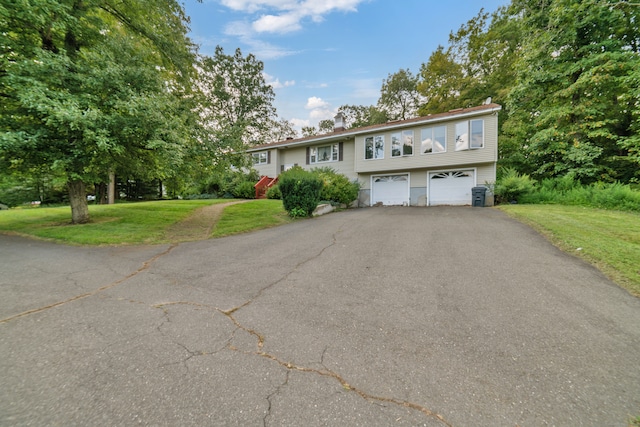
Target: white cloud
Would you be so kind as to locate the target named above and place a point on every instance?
(261, 49)
(300, 123)
(275, 82)
(314, 103)
(284, 16)
(285, 23)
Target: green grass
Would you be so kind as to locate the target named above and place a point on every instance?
(245, 217)
(608, 239)
(128, 223)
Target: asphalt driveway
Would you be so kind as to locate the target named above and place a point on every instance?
(380, 316)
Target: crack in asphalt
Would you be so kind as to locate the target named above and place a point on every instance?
(260, 339)
(145, 266)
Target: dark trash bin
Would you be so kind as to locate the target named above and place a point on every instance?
(478, 195)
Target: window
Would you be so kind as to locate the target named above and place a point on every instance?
(325, 153)
(475, 128)
(477, 133)
(407, 143)
(434, 139)
(374, 147)
(402, 143)
(260, 158)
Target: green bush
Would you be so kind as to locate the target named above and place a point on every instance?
(512, 187)
(337, 188)
(568, 191)
(274, 192)
(300, 191)
(245, 190)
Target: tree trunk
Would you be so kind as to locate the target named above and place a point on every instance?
(111, 188)
(78, 200)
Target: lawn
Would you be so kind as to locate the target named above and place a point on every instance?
(608, 239)
(126, 223)
(137, 223)
(245, 217)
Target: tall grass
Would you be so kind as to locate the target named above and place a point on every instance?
(567, 191)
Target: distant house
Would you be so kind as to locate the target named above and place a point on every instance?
(425, 161)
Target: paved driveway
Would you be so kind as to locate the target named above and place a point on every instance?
(381, 316)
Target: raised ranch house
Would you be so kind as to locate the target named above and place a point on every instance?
(425, 161)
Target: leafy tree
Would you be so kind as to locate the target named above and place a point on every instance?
(356, 116)
(399, 96)
(91, 86)
(575, 104)
(309, 131)
(237, 107)
(281, 130)
(440, 83)
(326, 126)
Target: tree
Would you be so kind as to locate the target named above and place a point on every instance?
(309, 131)
(281, 130)
(399, 96)
(326, 126)
(237, 102)
(89, 86)
(440, 83)
(356, 116)
(574, 107)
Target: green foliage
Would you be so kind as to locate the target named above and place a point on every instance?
(245, 190)
(511, 186)
(399, 97)
(236, 102)
(336, 187)
(227, 183)
(574, 104)
(568, 191)
(274, 192)
(95, 86)
(300, 191)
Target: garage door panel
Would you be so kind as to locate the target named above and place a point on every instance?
(450, 188)
(391, 190)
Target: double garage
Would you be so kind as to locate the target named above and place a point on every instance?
(443, 188)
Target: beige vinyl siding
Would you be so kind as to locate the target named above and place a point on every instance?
(432, 160)
(298, 155)
(270, 169)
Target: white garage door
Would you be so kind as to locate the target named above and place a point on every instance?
(450, 188)
(390, 190)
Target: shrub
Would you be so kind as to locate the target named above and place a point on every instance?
(300, 191)
(244, 190)
(512, 186)
(337, 187)
(274, 192)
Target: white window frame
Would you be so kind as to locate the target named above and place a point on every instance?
(430, 133)
(465, 132)
(334, 156)
(377, 147)
(261, 158)
(399, 144)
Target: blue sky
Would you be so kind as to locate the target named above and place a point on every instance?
(321, 54)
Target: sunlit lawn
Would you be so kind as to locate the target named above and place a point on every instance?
(245, 217)
(127, 223)
(608, 239)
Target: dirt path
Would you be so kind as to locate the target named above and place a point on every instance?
(199, 224)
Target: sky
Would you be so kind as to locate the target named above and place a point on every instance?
(321, 54)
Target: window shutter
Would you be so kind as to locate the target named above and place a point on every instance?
(268, 157)
(340, 152)
(308, 153)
